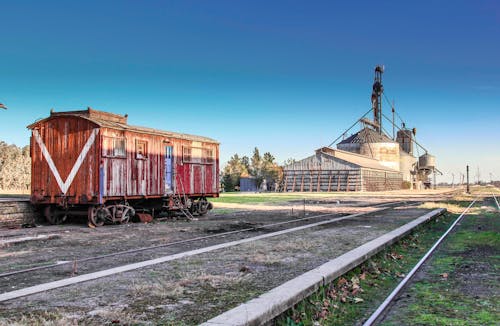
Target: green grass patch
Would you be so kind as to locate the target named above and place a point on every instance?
(263, 198)
(464, 240)
(223, 211)
(440, 303)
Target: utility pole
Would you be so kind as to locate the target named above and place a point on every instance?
(434, 172)
(453, 180)
(478, 176)
(393, 125)
(468, 188)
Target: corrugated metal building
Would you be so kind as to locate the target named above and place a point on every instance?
(337, 170)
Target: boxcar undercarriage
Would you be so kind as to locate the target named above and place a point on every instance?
(121, 211)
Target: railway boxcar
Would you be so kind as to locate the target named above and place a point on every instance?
(93, 163)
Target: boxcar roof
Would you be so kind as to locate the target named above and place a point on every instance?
(115, 121)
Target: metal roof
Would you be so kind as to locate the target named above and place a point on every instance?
(367, 135)
(115, 121)
(354, 158)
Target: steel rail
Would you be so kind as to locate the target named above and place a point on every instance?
(382, 308)
(496, 201)
(62, 263)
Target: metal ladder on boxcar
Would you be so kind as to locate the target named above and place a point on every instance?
(177, 198)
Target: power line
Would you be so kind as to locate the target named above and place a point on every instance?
(397, 114)
(333, 142)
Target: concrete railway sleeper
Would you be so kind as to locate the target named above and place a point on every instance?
(133, 266)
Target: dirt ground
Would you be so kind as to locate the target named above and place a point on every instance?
(187, 291)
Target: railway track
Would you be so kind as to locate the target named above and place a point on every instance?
(17, 211)
(116, 229)
(60, 271)
(132, 251)
(379, 314)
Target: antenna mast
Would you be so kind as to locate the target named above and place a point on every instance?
(378, 89)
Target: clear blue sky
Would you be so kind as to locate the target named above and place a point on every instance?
(285, 76)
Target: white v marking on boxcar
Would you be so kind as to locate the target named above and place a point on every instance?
(64, 186)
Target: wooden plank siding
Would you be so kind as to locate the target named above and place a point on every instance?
(342, 180)
(381, 180)
(323, 180)
(144, 176)
(64, 140)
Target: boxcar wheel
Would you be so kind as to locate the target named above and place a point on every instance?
(54, 215)
(203, 207)
(98, 215)
(127, 216)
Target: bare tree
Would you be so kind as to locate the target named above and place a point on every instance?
(15, 167)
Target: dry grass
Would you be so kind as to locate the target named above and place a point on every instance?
(265, 259)
(452, 208)
(457, 209)
(189, 282)
(119, 315)
(289, 246)
(158, 288)
(486, 190)
(4, 254)
(14, 192)
(58, 318)
(266, 254)
(43, 318)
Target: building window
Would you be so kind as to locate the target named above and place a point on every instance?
(141, 149)
(208, 156)
(186, 154)
(113, 147)
(119, 147)
(198, 155)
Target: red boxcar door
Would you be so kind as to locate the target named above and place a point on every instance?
(209, 179)
(198, 180)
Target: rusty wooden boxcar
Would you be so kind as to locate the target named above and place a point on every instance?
(92, 162)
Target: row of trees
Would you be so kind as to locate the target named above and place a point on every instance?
(260, 167)
(15, 167)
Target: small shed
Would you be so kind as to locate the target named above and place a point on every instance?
(337, 170)
(248, 184)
